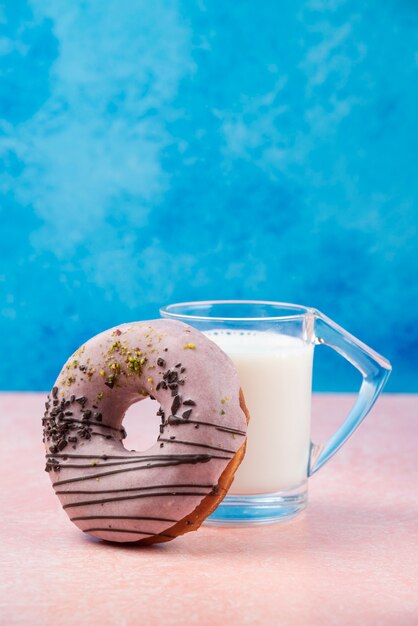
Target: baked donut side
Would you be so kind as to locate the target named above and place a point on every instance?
(122, 495)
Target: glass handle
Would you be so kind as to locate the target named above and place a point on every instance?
(375, 370)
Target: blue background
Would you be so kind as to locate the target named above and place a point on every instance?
(163, 151)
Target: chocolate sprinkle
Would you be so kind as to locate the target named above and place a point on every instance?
(175, 419)
(160, 362)
(171, 376)
(187, 414)
(84, 432)
(176, 405)
(189, 403)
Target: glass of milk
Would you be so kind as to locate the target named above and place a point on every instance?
(272, 346)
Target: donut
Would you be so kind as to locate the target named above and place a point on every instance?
(156, 495)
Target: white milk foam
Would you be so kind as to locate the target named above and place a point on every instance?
(276, 377)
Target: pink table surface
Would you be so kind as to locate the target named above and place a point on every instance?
(350, 559)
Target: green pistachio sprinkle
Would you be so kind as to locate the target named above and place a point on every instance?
(135, 364)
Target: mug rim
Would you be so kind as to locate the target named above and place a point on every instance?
(167, 311)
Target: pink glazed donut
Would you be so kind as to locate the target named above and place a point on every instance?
(156, 495)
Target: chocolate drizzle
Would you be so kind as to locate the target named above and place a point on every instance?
(175, 420)
(73, 420)
(224, 429)
(139, 517)
(138, 496)
(198, 445)
(189, 459)
(94, 491)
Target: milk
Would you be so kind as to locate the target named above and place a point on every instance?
(275, 372)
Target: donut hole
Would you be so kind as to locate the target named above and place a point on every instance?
(142, 425)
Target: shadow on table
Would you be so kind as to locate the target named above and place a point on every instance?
(326, 528)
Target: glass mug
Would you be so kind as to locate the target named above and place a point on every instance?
(272, 346)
